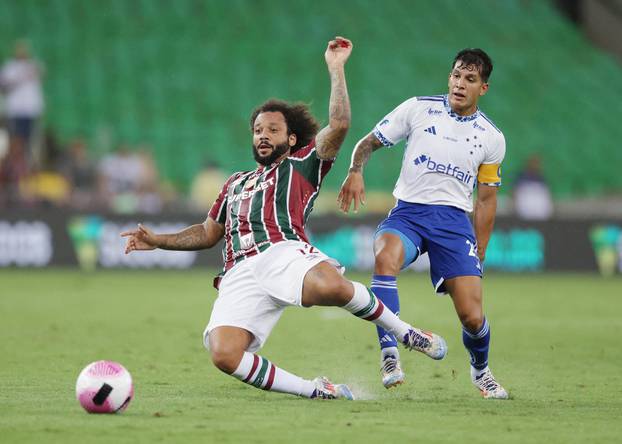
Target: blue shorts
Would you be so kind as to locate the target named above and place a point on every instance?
(444, 232)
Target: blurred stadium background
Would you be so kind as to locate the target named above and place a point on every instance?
(146, 113)
(147, 105)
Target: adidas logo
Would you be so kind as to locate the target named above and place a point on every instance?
(430, 130)
(387, 338)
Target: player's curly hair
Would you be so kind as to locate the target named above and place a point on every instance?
(298, 117)
(476, 57)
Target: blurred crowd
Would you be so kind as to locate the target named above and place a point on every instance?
(125, 180)
(37, 170)
(47, 173)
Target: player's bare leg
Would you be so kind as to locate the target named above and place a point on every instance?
(324, 285)
(389, 257)
(466, 293)
(228, 347)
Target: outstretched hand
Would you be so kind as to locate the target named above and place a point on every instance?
(141, 238)
(352, 190)
(338, 51)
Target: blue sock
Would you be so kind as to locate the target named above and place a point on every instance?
(477, 345)
(385, 289)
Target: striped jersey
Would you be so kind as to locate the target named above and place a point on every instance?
(446, 156)
(269, 204)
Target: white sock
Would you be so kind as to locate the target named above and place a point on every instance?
(365, 305)
(261, 373)
(475, 373)
(389, 351)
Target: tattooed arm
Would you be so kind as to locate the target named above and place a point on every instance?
(353, 188)
(362, 151)
(195, 237)
(329, 139)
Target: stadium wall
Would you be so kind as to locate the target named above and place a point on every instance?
(38, 239)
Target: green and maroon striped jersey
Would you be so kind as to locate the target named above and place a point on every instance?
(268, 205)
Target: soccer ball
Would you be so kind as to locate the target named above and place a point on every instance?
(104, 387)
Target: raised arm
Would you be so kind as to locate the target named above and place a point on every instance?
(195, 237)
(329, 139)
(484, 217)
(353, 188)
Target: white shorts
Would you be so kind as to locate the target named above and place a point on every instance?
(253, 294)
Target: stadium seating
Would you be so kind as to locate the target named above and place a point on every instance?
(183, 76)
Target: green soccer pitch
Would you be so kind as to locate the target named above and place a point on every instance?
(555, 347)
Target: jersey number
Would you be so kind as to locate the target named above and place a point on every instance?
(473, 252)
(308, 249)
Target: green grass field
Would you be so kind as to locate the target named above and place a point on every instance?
(555, 346)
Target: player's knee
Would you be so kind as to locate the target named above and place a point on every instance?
(331, 292)
(339, 290)
(342, 291)
(225, 357)
(472, 321)
(387, 262)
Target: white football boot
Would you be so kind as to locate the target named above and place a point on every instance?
(487, 384)
(391, 371)
(324, 389)
(426, 342)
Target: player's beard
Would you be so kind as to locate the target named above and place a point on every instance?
(277, 152)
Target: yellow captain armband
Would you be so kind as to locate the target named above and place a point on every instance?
(489, 174)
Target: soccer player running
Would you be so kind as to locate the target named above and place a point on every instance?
(269, 263)
(452, 148)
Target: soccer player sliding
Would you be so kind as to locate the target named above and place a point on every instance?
(452, 149)
(269, 262)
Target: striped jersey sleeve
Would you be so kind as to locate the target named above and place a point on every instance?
(307, 163)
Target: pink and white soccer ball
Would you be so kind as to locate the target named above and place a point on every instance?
(104, 387)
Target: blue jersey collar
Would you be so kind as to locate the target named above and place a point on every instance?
(458, 117)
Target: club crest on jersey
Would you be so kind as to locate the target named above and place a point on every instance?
(250, 184)
(247, 241)
(448, 169)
